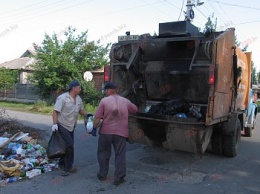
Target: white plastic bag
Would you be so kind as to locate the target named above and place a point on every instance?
(89, 125)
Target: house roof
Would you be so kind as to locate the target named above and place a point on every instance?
(19, 63)
(29, 52)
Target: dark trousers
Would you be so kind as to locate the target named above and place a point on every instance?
(67, 160)
(104, 152)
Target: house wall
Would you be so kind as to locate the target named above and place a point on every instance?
(98, 78)
(24, 77)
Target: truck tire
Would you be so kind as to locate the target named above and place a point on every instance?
(230, 142)
(248, 131)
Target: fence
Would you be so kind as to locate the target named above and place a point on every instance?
(21, 93)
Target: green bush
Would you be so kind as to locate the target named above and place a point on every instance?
(90, 108)
(90, 95)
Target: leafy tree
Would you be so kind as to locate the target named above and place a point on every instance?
(59, 62)
(92, 96)
(210, 25)
(8, 78)
(258, 77)
(254, 74)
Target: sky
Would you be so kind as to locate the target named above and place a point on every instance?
(23, 22)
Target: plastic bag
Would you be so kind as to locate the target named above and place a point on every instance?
(11, 167)
(56, 146)
(89, 125)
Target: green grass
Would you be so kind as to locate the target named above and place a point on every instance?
(16, 106)
(37, 107)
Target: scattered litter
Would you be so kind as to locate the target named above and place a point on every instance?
(21, 157)
(33, 173)
(21, 135)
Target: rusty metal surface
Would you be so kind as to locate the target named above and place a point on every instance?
(189, 137)
(244, 62)
(224, 77)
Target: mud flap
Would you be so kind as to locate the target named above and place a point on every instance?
(193, 139)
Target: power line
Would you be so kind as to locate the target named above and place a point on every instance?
(172, 5)
(95, 16)
(154, 7)
(249, 22)
(229, 19)
(53, 11)
(246, 7)
(216, 11)
(202, 13)
(23, 7)
(181, 10)
(34, 9)
(208, 9)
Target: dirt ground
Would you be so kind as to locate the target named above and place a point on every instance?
(10, 126)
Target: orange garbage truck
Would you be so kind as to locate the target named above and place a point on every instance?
(193, 90)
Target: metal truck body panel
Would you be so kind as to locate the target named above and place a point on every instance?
(244, 62)
(222, 61)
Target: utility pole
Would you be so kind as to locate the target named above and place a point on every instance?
(189, 14)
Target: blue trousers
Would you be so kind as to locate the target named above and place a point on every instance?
(67, 160)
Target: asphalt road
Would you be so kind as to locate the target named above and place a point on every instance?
(149, 170)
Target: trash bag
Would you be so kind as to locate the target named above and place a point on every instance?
(56, 146)
(89, 125)
(11, 167)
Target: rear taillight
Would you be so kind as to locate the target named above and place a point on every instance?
(106, 73)
(211, 75)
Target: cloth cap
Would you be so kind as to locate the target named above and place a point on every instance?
(73, 84)
(110, 85)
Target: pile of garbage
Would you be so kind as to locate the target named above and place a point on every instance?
(21, 157)
(178, 108)
(21, 154)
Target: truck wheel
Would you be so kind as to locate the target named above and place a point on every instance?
(248, 131)
(230, 142)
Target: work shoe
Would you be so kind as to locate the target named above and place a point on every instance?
(73, 170)
(119, 181)
(64, 173)
(101, 178)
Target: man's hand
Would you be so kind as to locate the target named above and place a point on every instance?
(94, 131)
(54, 127)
